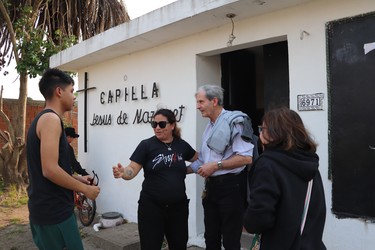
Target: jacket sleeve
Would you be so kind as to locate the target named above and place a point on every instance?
(260, 214)
(76, 166)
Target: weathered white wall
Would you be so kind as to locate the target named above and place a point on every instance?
(178, 67)
(174, 74)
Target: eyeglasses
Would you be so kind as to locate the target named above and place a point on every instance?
(161, 124)
(260, 129)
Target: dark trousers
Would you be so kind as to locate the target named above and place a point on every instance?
(157, 219)
(224, 206)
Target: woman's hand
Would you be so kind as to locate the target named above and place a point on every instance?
(126, 173)
(118, 171)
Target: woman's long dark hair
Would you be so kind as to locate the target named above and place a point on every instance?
(286, 131)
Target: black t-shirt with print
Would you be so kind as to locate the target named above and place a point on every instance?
(164, 170)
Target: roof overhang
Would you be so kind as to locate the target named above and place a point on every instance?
(176, 20)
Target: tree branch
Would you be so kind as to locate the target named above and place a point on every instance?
(11, 31)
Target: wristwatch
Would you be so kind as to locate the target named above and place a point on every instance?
(219, 164)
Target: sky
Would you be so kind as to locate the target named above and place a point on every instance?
(10, 81)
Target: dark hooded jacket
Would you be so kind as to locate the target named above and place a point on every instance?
(278, 183)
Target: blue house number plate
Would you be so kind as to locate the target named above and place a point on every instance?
(309, 102)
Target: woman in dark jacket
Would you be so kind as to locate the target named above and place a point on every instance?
(278, 186)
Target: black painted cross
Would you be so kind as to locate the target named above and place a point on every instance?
(85, 89)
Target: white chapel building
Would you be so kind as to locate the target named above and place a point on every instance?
(315, 56)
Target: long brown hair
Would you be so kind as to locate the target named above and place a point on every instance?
(286, 130)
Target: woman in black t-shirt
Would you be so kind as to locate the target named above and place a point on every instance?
(163, 207)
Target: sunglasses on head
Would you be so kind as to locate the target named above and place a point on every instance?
(161, 124)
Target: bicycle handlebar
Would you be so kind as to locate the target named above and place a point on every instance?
(93, 179)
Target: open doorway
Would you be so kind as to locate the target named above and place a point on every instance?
(256, 79)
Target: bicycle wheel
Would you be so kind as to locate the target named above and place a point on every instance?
(87, 210)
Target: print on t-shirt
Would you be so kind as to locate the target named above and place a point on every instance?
(167, 159)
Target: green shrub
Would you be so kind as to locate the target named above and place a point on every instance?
(12, 197)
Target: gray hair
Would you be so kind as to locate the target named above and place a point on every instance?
(213, 91)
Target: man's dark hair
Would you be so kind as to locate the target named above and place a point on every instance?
(51, 79)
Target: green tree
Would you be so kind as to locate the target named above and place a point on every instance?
(30, 32)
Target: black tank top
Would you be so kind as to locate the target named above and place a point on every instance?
(48, 203)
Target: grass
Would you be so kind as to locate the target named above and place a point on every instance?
(15, 221)
(11, 197)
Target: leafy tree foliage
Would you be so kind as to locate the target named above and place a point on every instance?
(30, 32)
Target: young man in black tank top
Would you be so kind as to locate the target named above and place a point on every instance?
(51, 203)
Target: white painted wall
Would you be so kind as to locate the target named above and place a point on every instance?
(108, 145)
(178, 67)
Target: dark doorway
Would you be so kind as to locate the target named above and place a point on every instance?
(256, 79)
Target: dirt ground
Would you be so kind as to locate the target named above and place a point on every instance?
(15, 232)
(14, 229)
